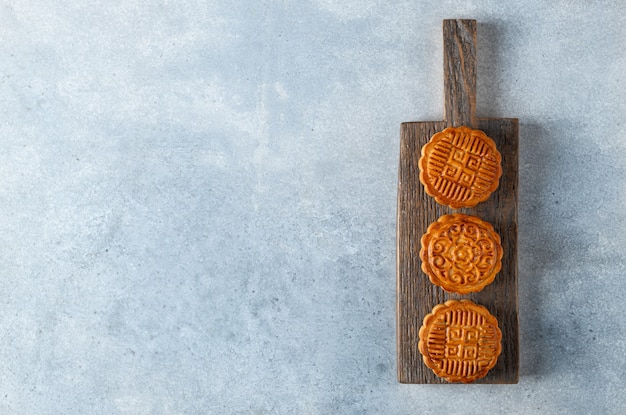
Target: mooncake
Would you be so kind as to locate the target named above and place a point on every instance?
(460, 341)
(461, 253)
(460, 167)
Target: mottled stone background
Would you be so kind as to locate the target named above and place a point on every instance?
(197, 202)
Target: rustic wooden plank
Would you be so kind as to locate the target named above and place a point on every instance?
(416, 295)
(459, 72)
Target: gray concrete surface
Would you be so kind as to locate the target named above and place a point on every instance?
(197, 202)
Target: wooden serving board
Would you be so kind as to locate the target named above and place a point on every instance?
(416, 295)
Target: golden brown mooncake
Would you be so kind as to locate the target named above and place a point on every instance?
(461, 253)
(460, 167)
(460, 341)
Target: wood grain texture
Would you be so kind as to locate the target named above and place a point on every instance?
(459, 72)
(416, 295)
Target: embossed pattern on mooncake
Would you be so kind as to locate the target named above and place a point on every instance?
(461, 253)
(460, 167)
(460, 341)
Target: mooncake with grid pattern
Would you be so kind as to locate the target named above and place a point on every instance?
(460, 167)
(460, 341)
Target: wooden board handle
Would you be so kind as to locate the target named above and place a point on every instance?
(459, 72)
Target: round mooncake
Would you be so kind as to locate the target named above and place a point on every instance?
(460, 341)
(460, 167)
(461, 253)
